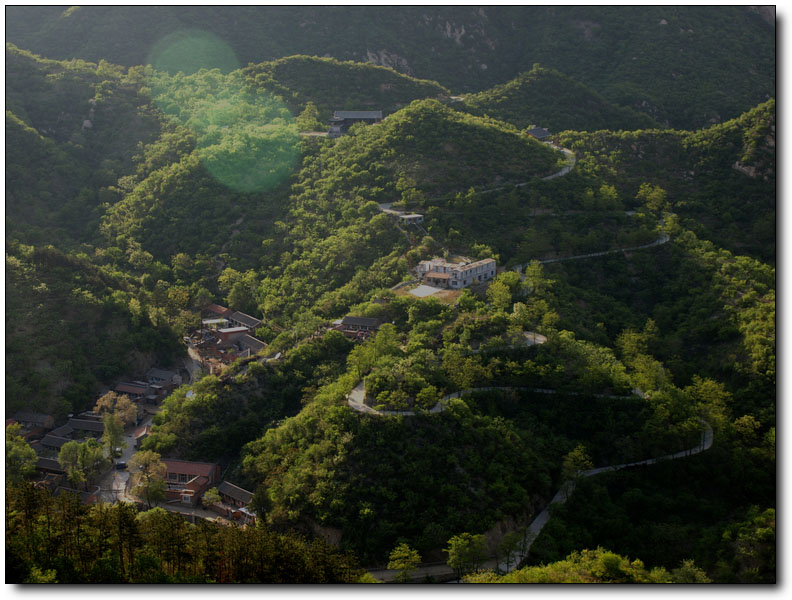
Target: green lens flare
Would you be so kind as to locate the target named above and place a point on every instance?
(247, 139)
(190, 50)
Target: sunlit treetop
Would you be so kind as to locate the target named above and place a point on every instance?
(248, 141)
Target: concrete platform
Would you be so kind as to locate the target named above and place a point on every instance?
(422, 291)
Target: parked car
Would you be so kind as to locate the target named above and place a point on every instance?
(121, 466)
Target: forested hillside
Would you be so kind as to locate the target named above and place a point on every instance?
(72, 129)
(675, 63)
(725, 192)
(332, 85)
(548, 98)
(631, 316)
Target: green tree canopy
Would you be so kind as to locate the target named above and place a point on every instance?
(20, 458)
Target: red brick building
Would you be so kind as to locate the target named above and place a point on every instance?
(187, 481)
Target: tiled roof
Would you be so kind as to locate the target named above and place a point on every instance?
(62, 431)
(189, 468)
(82, 425)
(54, 441)
(253, 344)
(131, 388)
(538, 132)
(31, 417)
(141, 431)
(357, 114)
(197, 484)
(361, 321)
(246, 320)
(219, 310)
(235, 492)
(160, 374)
(49, 464)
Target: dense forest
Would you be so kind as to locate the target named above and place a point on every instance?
(632, 314)
(666, 61)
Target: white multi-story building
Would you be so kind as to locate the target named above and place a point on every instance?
(441, 273)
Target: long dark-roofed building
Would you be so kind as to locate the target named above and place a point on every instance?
(31, 419)
(344, 119)
(84, 427)
(49, 465)
(54, 442)
(358, 328)
(234, 495)
(540, 133)
(240, 319)
(248, 342)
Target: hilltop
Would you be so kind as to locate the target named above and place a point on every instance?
(333, 85)
(550, 99)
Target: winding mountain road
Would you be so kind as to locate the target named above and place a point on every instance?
(565, 491)
(356, 398)
(664, 237)
(568, 487)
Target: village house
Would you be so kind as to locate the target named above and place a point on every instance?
(63, 431)
(230, 334)
(218, 347)
(187, 481)
(357, 328)
(344, 119)
(219, 323)
(167, 380)
(49, 465)
(234, 495)
(86, 428)
(411, 219)
(90, 415)
(136, 390)
(54, 443)
(215, 311)
(141, 434)
(539, 133)
(34, 420)
(441, 273)
(234, 503)
(251, 345)
(240, 319)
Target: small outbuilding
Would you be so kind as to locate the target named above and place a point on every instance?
(344, 119)
(539, 133)
(411, 219)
